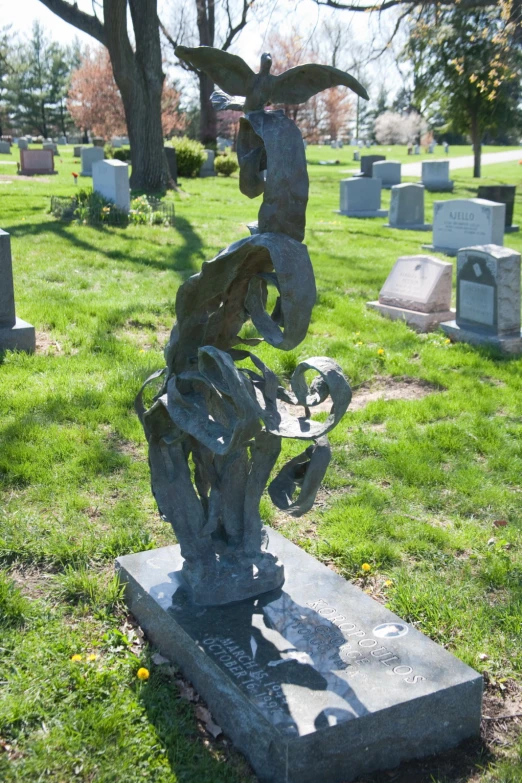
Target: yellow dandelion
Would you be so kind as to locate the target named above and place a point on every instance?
(359, 343)
(76, 658)
(366, 567)
(447, 342)
(142, 673)
(388, 583)
(92, 657)
(380, 352)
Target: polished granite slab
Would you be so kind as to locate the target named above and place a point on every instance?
(312, 682)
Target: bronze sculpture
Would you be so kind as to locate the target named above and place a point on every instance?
(214, 429)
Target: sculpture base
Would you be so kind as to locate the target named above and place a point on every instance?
(421, 322)
(20, 337)
(507, 344)
(312, 682)
(228, 581)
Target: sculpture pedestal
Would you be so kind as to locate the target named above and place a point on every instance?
(314, 681)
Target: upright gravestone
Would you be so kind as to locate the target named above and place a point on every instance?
(416, 149)
(62, 140)
(77, 151)
(464, 222)
(98, 141)
(502, 194)
(110, 178)
(361, 198)
(488, 298)
(50, 145)
(37, 162)
(435, 176)
(116, 142)
(15, 334)
(407, 208)
(357, 156)
(90, 155)
(23, 144)
(367, 162)
(170, 152)
(207, 167)
(388, 171)
(5, 148)
(418, 291)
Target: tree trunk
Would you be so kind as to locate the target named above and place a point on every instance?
(207, 117)
(476, 138)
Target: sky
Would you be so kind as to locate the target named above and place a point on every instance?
(22, 13)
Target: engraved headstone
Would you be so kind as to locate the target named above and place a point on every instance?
(207, 168)
(170, 152)
(357, 155)
(36, 162)
(407, 208)
(77, 151)
(5, 148)
(23, 144)
(110, 178)
(488, 298)
(388, 171)
(461, 223)
(367, 162)
(435, 176)
(314, 682)
(418, 291)
(90, 155)
(361, 197)
(502, 194)
(15, 334)
(61, 140)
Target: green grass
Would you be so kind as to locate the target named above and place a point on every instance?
(414, 488)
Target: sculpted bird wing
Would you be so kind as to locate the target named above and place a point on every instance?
(299, 84)
(228, 71)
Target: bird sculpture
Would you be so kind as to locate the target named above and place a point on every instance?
(237, 80)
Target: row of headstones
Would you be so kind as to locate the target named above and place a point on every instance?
(456, 223)
(434, 176)
(418, 291)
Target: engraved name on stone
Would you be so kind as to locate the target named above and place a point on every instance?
(477, 302)
(414, 283)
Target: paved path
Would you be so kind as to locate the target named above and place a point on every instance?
(466, 161)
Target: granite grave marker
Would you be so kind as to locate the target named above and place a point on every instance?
(435, 176)
(36, 162)
(367, 162)
(464, 222)
(89, 156)
(207, 167)
(361, 197)
(15, 334)
(388, 171)
(502, 194)
(407, 208)
(110, 178)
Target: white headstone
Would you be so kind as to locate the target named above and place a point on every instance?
(488, 298)
(388, 171)
(418, 291)
(62, 140)
(116, 142)
(23, 144)
(407, 207)
(435, 176)
(110, 178)
(461, 223)
(361, 197)
(207, 169)
(90, 155)
(50, 145)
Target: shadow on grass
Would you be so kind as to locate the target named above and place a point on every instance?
(183, 258)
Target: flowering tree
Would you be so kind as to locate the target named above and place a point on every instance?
(394, 128)
(95, 103)
(467, 65)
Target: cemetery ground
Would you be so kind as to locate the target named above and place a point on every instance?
(424, 485)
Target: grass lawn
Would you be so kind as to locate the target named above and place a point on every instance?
(425, 487)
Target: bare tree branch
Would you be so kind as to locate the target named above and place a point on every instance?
(233, 30)
(386, 4)
(71, 13)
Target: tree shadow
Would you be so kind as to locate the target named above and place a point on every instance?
(184, 257)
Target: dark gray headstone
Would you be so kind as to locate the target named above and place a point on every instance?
(367, 162)
(313, 682)
(361, 197)
(407, 207)
(502, 194)
(15, 334)
(170, 152)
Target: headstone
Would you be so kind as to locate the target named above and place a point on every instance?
(90, 155)
(36, 162)
(389, 172)
(431, 147)
(207, 169)
(110, 178)
(5, 148)
(15, 334)
(418, 291)
(50, 145)
(361, 197)
(314, 682)
(62, 140)
(170, 152)
(357, 155)
(416, 149)
(98, 142)
(502, 194)
(116, 142)
(125, 140)
(77, 151)
(407, 208)
(488, 298)
(367, 162)
(461, 223)
(23, 144)
(435, 176)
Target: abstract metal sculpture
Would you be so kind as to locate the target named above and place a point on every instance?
(214, 429)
